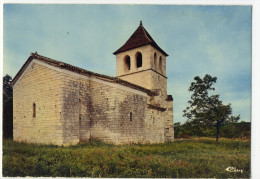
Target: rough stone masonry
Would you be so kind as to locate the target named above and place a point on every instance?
(57, 103)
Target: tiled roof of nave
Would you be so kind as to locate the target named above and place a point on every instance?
(78, 70)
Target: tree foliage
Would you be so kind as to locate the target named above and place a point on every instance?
(206, 109)
(240, 130)
(7, 107)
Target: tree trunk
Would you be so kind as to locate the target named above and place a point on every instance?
(217, 134)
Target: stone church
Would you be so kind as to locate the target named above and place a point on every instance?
(57, 103)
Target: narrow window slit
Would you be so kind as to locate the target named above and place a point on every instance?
(34, 110)
(131, 116)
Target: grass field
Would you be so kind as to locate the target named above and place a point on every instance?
(182, 158)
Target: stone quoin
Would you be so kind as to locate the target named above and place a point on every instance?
(57, 103)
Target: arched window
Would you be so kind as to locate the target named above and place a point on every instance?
(160, 63)
(127, 63)
(139, 60)
(34, 110)
(155, 59)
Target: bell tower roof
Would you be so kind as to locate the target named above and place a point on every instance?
(139, 38)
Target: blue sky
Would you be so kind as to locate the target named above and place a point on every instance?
(200, 40)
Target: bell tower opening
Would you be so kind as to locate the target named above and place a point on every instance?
(160, 64)
(127, 63)
(155, 60)
(139, 60)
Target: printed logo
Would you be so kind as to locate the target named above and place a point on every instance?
(233, 169)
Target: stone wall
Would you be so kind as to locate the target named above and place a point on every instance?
(131, 116)
(101, 110)
(141, 79)
(149, 80)
(41, 86)
(72, 108)
(154, 129)
(109, 112)
(168, 122)
(103, 107)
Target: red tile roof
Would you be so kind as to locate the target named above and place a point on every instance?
(139, 38)
(78, 70)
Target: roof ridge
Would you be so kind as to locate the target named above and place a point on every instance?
(145, 33)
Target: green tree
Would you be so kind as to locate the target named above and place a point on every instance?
(236, 130)
(176, 127)
(245, 129)
(7, 107)
(206, 109)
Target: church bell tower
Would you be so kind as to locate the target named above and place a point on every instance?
(142, 62)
